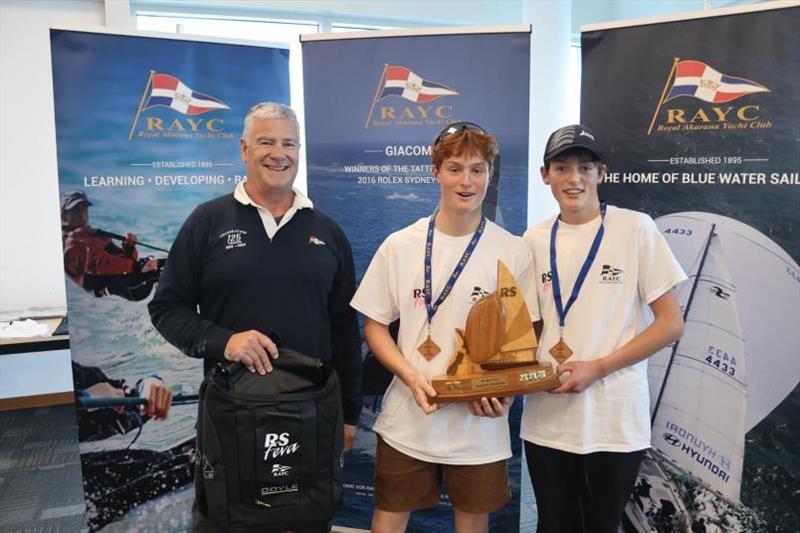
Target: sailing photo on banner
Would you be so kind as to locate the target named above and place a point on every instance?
(373, 106)
(146, 129)
(702, 134)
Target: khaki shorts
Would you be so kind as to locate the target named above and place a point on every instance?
(403, 483)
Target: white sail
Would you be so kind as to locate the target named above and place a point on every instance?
(657, 363)
(768, 294)
(700, 420)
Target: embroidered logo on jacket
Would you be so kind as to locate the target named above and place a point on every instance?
(312, 239)
(234, 238)
(611, 274)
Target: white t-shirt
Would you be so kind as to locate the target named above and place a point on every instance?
(391, 289)
(633, 267)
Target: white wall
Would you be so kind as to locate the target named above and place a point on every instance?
(551, 22)
(31, 271)
(464, 12)
(593, 11)
(483, 12)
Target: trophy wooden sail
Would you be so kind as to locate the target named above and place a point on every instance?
(496, 351)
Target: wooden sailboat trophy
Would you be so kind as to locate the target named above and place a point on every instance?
(496, 352)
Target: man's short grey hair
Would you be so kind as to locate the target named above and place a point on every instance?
(270, 110)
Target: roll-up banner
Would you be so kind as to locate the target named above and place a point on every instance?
(373, 105)
(147, 128)
(699, 117)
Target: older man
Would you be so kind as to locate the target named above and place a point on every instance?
(262, 264)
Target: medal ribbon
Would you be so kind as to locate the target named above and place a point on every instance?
(427, 291)
(587, 263)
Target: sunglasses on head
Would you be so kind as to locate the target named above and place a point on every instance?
(455, 128)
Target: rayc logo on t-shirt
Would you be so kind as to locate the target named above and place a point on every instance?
(477, 294)
(611, 274)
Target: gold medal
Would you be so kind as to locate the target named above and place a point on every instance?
(428, 349)
(560, 351)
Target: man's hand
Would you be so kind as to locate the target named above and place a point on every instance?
(422, 390)
(582, 375)
(251, 348)
(349, 436)
(159, 398)
(490, 407)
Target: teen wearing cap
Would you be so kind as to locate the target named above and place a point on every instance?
(597, 270)
(420, 442)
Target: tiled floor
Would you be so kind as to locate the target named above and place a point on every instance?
(41, 490)
(40, 479)
(40, 475)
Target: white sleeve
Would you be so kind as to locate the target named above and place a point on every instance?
(376, 297)
(659, 271)
(528, 283)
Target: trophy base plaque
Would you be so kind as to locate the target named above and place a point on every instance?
(497, 383)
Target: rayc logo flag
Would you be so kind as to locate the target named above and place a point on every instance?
(169, 91)
(698, 80)
(404, 82)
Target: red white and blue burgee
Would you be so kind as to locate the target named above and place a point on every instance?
(169, 91)
(698, 80)
(403, 82)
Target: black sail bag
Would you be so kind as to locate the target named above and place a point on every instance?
(269, 449)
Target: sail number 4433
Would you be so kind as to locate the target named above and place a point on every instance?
(720, 360)
(678, 231)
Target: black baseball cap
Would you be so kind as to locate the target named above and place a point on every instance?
(570, 137)
(72, 199)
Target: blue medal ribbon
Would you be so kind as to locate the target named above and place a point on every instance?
(587, 263)
(427, 290)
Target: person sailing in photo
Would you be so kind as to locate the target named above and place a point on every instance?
(118, 475)
(95, 263)
(103, 422)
